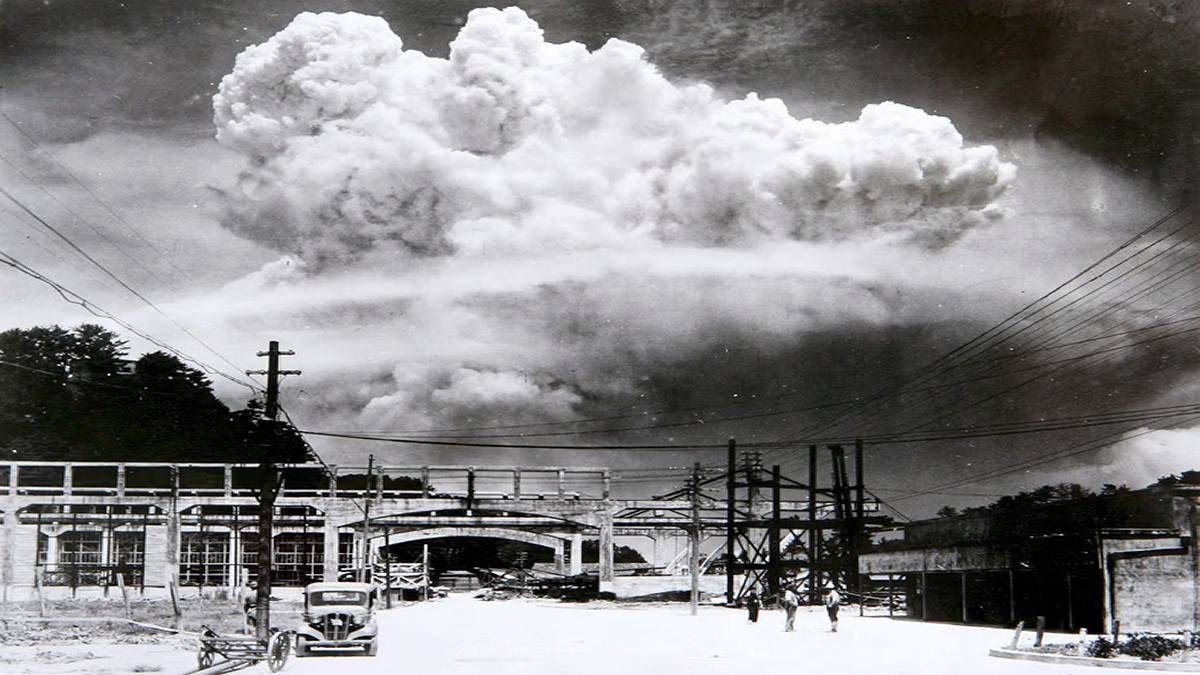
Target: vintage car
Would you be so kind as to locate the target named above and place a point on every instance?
(338, 617)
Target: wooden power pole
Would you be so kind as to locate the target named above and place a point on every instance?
(365, 572)
(694, 539)
(268, 490)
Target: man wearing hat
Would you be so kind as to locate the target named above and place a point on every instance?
(832, 600)
(790, 602)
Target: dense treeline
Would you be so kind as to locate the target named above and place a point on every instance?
(75, 395)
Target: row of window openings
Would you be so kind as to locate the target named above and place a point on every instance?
(204, 557)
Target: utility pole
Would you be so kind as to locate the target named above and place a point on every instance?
(694, 538)
(364, 573)
(268, 491)
(730, 512)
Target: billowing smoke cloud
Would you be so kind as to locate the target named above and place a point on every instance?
(515, 143)
(531, 228)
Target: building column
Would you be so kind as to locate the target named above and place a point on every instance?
(330, 541)
(576, 562)
(8, 546)
(924, 599)
(231, 570)
(607, 573)
(1193, 528)
(963, 580)
(1012, 598)
(51, 562)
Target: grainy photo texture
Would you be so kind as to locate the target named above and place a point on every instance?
(599, 336)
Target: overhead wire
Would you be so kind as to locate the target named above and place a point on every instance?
(92, 308)
(80, 219)
(113, 276)
(1042, 459)
(996, 331)
(104, 204)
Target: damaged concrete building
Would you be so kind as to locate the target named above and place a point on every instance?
(1127, 556)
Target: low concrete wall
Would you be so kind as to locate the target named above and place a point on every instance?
(632, 587)
(1064, 660)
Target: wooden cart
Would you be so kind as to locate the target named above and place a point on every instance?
(242, 651)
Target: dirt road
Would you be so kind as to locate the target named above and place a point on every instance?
(463, 635)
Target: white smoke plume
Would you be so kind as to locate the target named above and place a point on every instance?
(528, 228)
(512, 142)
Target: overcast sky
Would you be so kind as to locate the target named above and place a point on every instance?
(512, 231)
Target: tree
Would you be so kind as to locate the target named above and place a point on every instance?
(72, 395)
(621, 554)
(947, 512)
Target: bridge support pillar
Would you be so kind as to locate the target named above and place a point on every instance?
(330, 546)
(559, 566)
(662, 552)
(576, 554)
(607, 572)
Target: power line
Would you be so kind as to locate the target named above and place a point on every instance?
(468, 444)
(1043, 459)
(95, 196)
(91, 383)
(81, 219)
(114, 277)
(995, 331)
(92, 308)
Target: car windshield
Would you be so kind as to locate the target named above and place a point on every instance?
(317, 598)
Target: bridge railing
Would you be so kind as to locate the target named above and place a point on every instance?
(208, 479)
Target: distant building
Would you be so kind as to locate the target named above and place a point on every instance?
(1128, 557)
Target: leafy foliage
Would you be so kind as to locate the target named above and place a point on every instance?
(1185, 478)
(1145, 646)
(72, 395)
(621, 554)
(1102, 648)
(1148, 647)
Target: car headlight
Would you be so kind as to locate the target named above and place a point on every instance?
(360, 619)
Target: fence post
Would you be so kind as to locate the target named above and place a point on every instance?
(861, 600)
(174, 602)
(37, 585)
(1017, 634)
(124, 595)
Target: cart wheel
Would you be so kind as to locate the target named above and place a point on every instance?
(205, 658)
(277, 651)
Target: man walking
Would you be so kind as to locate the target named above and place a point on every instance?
(790, 603)
(752, 605)
(832, 600)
